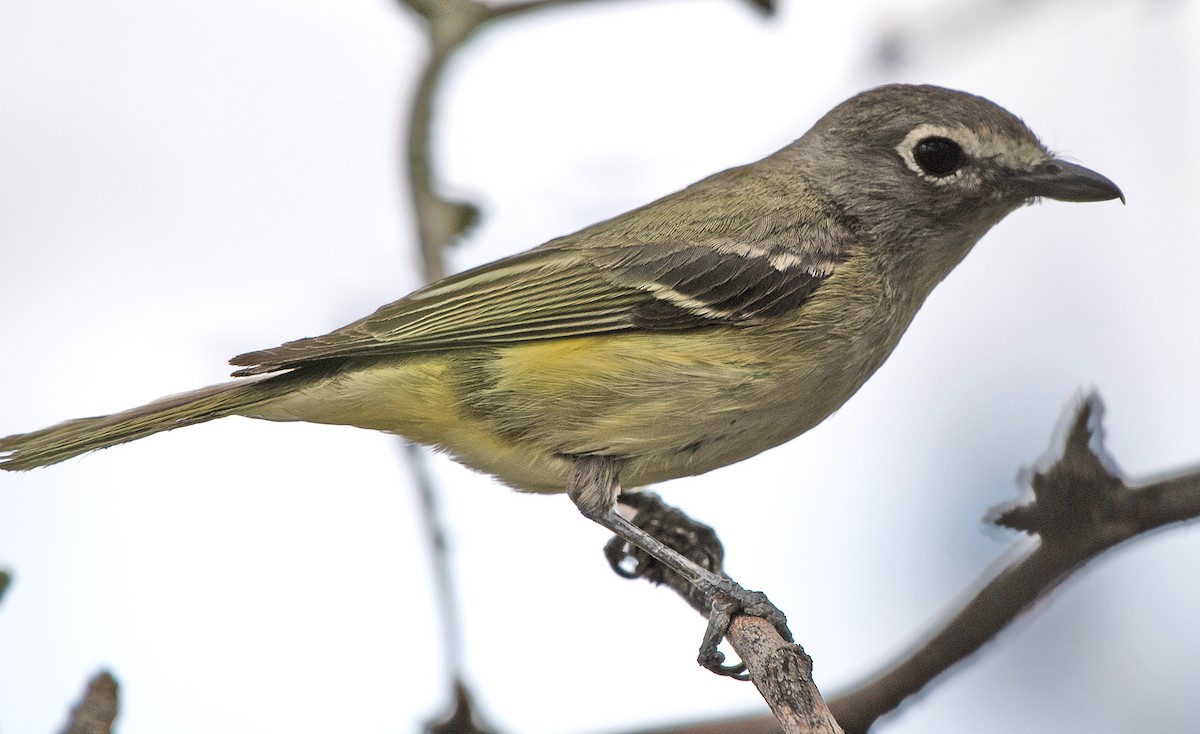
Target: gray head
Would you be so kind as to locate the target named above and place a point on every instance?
(914, 158)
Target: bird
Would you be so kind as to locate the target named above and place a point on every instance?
(685, 335)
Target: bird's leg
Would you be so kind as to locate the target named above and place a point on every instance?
(594, 488)
(692, 539)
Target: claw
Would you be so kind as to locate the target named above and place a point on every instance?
(727, 603)
(757, 604)
(664, 546)
(715, 664)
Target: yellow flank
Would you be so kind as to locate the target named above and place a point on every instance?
(668, 405)
(627, 395)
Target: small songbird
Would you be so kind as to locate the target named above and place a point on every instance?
(686, 335)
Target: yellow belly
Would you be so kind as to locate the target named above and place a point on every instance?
(668, 405)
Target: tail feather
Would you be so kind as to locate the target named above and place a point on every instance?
(74, 437)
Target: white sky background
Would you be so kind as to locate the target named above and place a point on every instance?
(181, 182)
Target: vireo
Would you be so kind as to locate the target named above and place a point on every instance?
(688, 334)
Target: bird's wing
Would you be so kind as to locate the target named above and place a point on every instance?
(553, 292)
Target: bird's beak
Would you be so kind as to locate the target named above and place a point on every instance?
(1058, 179)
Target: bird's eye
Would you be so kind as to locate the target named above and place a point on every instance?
(938, 156)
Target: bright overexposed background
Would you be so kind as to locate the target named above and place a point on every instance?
(185, 181)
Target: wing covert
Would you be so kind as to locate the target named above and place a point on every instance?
(576, 287)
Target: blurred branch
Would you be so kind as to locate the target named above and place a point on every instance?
(451, 23)
(1081, 506)
(97, 711)
(439, 555)
(463, 720)
(440, 222)
(5, 580)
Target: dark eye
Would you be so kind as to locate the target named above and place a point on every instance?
(939, 156)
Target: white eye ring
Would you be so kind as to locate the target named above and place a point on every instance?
(938, 156)
(957, 134)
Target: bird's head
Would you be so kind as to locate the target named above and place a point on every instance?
(923, 166)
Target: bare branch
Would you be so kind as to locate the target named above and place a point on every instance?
(435, 535)
(439, 220)
(782, 672)
(97, 711)
(1081, 508)
(464, 719)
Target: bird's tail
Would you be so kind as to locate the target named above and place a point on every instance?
(72, 438)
